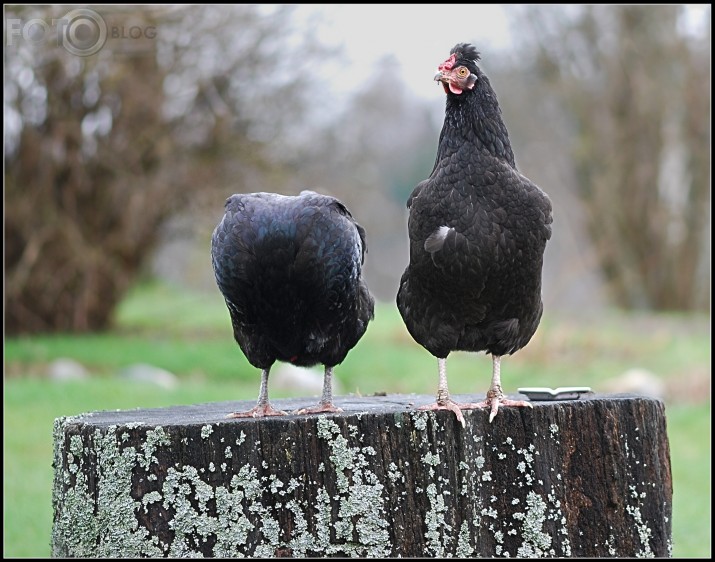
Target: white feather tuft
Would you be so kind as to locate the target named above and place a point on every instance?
(435, 241)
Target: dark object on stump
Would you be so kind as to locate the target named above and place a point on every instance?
(478, 230)
(581, 478)
(290, 270)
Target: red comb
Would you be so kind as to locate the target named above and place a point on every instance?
(449, 63)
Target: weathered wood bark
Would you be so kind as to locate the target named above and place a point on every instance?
(584, 478)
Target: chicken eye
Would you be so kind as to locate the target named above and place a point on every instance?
(462, 71)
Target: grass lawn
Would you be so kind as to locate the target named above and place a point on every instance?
(189, 335)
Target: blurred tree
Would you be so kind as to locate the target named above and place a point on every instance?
(101, 150)
(635, 85)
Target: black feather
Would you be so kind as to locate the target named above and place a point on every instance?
(478, 230)
(290, 270)
(465, 52)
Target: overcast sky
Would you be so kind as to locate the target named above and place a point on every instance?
(419, 36)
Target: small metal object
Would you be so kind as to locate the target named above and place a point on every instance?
(562, 393)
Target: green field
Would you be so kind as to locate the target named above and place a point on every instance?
(189, 334)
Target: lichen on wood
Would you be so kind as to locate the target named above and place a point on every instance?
(381, 479)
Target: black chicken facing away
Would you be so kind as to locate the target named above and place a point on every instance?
(290, 271)
(477, 230)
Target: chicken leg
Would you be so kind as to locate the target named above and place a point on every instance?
(263, 407)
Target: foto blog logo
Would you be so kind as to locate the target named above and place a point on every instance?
(82, 32)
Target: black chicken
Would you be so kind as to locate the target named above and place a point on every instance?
(478, 230)
(290, 270)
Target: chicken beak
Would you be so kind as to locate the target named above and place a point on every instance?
(443, 79)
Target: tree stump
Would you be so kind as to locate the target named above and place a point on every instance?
(580, 478)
